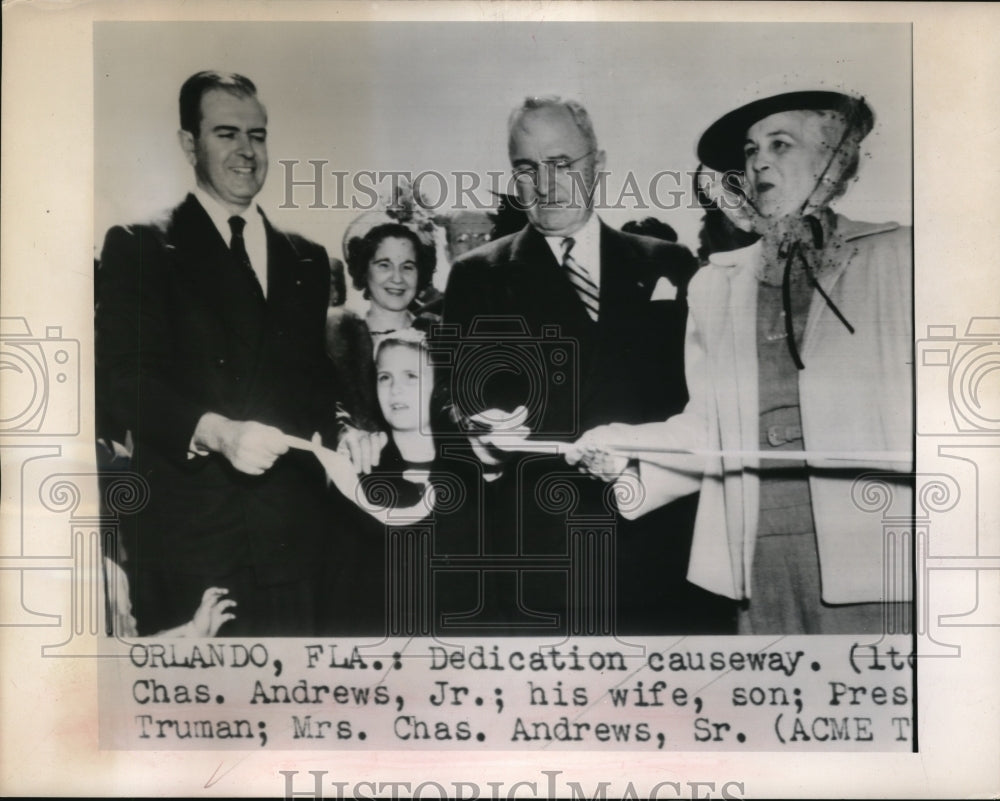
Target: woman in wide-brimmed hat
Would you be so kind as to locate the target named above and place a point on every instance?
(799, 343)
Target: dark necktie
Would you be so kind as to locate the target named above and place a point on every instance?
(582, 283)
(238, 247)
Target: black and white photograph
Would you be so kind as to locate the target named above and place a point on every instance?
(580, 401)
(554, 350)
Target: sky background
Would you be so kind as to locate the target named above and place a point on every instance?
(436, 96)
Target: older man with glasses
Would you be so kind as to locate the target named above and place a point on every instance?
(565, 325)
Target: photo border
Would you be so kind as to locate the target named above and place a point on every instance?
(958, 690)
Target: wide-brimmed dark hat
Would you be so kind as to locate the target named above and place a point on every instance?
(721, 146)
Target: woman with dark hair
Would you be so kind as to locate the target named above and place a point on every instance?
(391, 264)
(799, 364)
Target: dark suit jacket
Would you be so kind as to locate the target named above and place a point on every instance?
(180, 334)
(627, 367)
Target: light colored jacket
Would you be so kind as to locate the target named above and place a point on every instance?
(856, 394)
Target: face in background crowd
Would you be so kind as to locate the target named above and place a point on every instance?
(392, 274)
(555, 168)
(467, 230)
(786, 156)
(404, 386)
(229, 150)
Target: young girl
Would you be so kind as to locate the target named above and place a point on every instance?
(399, 489)
(434, 506)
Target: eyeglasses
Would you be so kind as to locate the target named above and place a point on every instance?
(482, 236)
(527, 172)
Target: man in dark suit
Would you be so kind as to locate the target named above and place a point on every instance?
(591, 324)
(210, 331)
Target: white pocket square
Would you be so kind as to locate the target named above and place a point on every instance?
(664, 290)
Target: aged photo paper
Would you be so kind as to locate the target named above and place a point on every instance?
(376, 106)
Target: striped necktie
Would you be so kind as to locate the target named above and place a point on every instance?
(582, 283)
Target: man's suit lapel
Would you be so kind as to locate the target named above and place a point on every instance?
(285, 273)
(288, 272)
(623, 283)
(540, 280)
(205, 265)
(622, 296)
